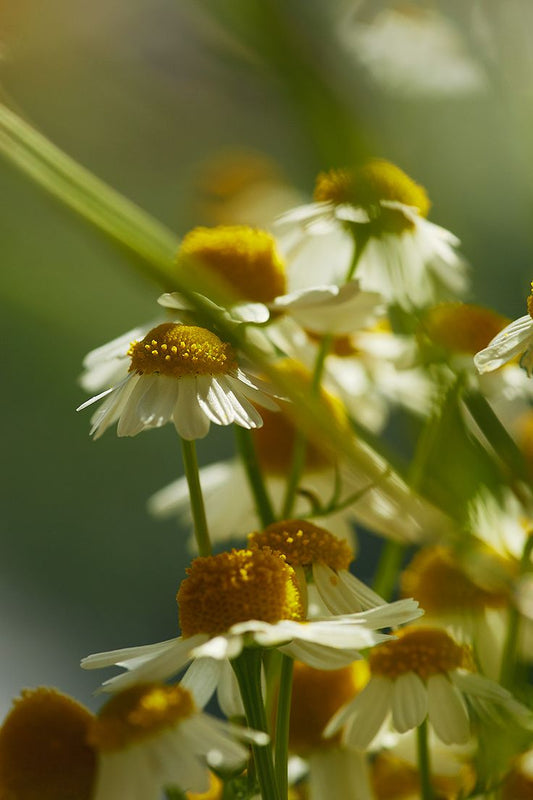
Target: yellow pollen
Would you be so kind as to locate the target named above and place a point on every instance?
(245, 258)
(461, 327)
(43, 749)
(274, 442)
(436, 580)
(316, 695)
(241, 585)
(139, 713)
(181, 350)
(303, 543)
(425, 651)
(375, 181)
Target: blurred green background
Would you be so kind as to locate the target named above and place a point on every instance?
(148, 95)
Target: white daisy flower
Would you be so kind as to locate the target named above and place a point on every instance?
(184, 374)
(455, 596)
(246, 261)
(249, 597)
(514, 340)
(378, 210)
(371, 370)
(320, 559)
(151, 737)
(422, 674)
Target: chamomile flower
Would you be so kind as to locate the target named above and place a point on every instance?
(246, 598)
(516, 339)
(333, 770)
(423, 673)
(378, 210)
(44, 754)
(184, 374)
(151, 737)
(246, 262)
(319, 557)
(473, 613)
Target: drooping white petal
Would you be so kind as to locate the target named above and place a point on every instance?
(319, 656)
(189, 419)
(336, 772)
(131, 422)
(213, 400)
(409, 702)
(201, 679)
(365, 715)
(512, 340)
(447, 711)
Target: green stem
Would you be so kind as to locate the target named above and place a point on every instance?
(388, 568)
(424, 770)
(282, 724)
(509, 654)
(248, 455)
(360, 237)
(500, 440)
(297, 465)
(190, 464)
(300, 444)
(247, 668)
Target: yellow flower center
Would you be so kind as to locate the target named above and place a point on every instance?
(425, 651)
(395, 779)
(303, 543)
(274, 442)
(181, 350)
(461, 327)
(243, 257)
(138, 713)
(436, 580)
(221, 590)
(43, 749)
(316, 695)
(369, 185)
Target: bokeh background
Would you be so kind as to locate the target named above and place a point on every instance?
(202, 112)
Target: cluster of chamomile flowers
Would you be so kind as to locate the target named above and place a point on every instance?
(356, 301)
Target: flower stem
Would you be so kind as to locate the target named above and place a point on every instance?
(426, 789)
(300, 444)
(282, 724)
(509, 655)
(247, 668)
(247, 452)
(190, 464)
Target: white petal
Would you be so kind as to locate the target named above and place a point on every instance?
(189, 419)
(213, 401)
(368, 713)
(320, 657)
(409, 702)
(201, 679)
(511, 341)
(447, 711)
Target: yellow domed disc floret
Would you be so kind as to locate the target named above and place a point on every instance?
(439, 584)
(374, 182)
(181, 350)
(136, 714)
(274, 442)
(303, 543)
(316, 695)
(425, 651)
(44, 753)
(462, 327)
(242, 585)
(246, 258)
